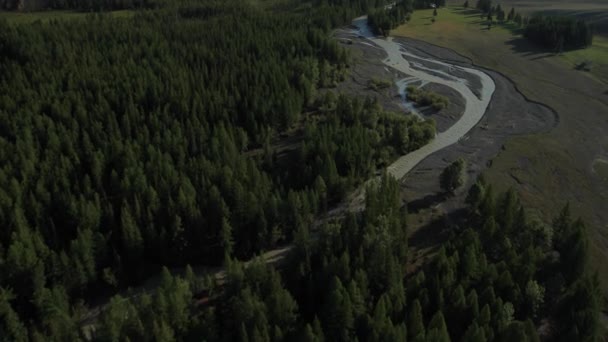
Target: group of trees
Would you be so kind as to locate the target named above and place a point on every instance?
(452, 177)
(427, 98)
(128, 144)
(383, 20)
(80, 5)
(486, 8)
(496, 278)
(352, 140)
(559, 32)
(555, 32)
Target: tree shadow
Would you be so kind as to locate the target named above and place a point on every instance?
(467, 11)
(425, 202)
(432, 234)
(437, 231)
(524, 47)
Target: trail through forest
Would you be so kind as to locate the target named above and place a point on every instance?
(400, 59)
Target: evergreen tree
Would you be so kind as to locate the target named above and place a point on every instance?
(452, 176)
(415, 322)
(437, 330)
(511, 15)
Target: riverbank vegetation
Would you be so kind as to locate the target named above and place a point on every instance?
(383, 20)
(427, 98)
(559, 32)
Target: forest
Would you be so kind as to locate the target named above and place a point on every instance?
(130, 146)
(382, 20)
(500, 275)
(559, 33)
(77, 5)
(550, 31)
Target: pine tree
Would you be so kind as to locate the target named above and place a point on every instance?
(437, 330)
(511, 15)
(452, 176)
(132, 241)
(11, 327)
(339, 320)
(415, 321)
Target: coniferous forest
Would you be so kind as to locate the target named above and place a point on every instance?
(559, 32)
(133, 145)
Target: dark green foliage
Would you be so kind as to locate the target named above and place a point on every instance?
(466, 4)
(452, 177)
(128, 144)
(559, 32)
(484, 6)
(81, 5)
(349, 285)
(376, 84)
(511, 15)
(132, 143)
(427, 98)
(415, 322)
(500, 13)
(355, 138)
(382, 20)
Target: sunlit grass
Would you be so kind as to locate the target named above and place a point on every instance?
(455, 24)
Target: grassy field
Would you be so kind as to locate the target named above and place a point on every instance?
(594, 11)
(552, 168)
(45, 16)
(455, 24)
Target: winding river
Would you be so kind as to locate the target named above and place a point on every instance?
(399, 58)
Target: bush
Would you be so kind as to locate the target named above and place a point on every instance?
(376, 84)
(427, 98)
